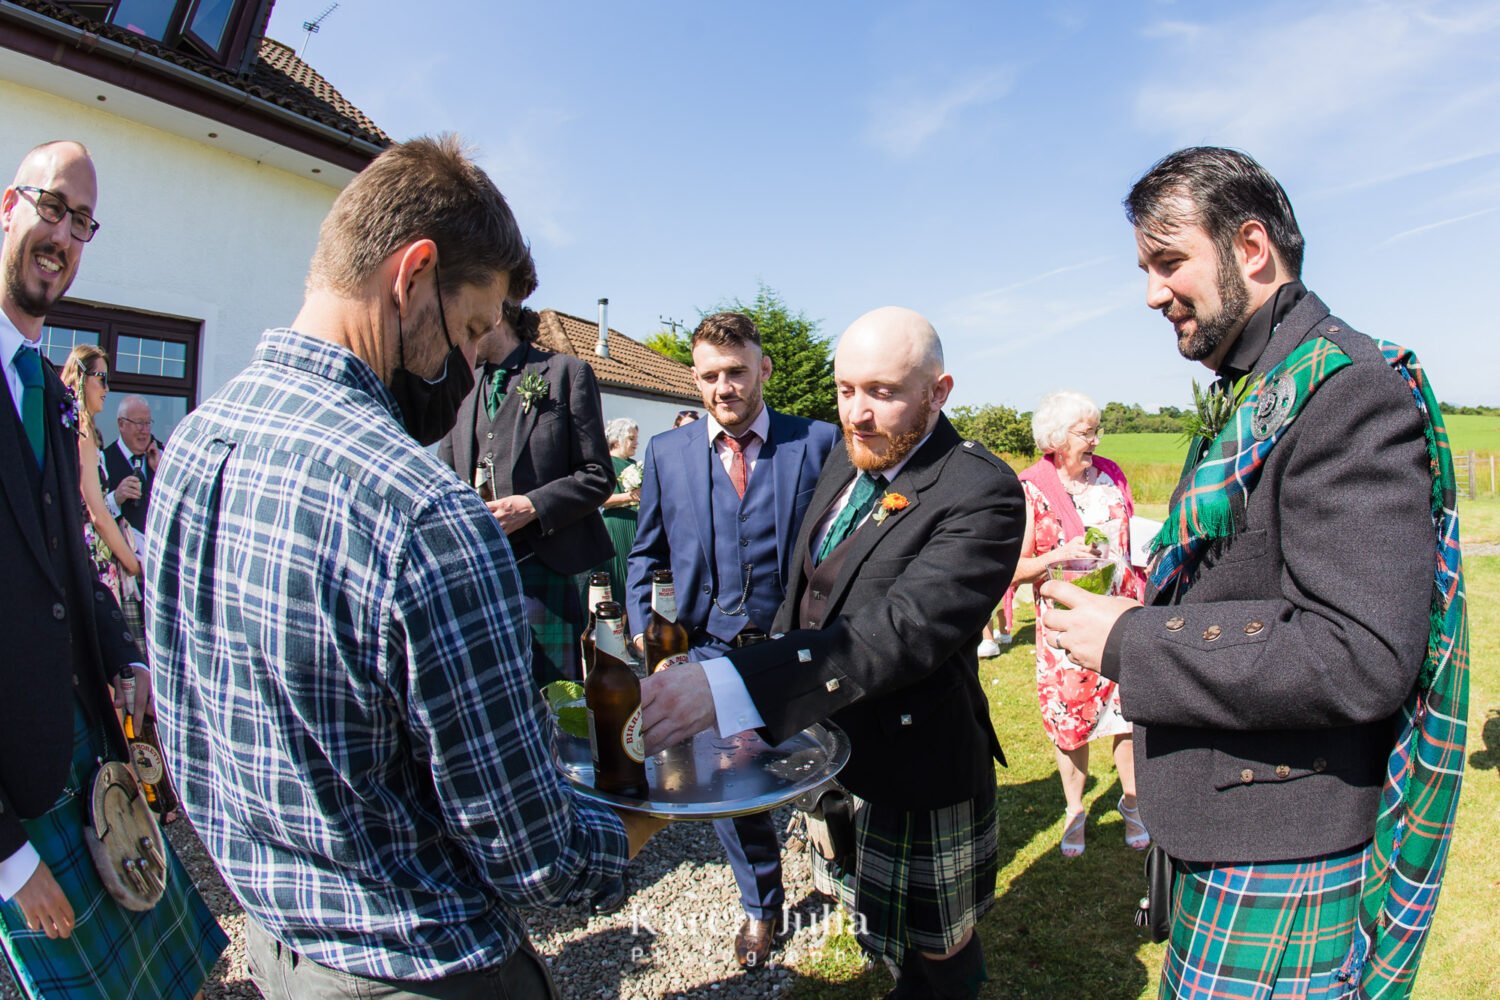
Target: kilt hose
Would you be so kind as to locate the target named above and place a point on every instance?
(921, 878)
(1265, 931)
(554, 610)
(113, 953)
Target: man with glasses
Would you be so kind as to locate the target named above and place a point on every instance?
(67, 644)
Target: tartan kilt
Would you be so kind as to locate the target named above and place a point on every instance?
(113, 953)
(921, 878)
(132, 611)
(554, 610)
(1265, 931)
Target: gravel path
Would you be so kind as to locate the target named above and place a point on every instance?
(672, 939)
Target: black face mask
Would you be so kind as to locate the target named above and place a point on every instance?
(429, 409)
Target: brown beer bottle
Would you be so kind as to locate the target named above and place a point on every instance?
(599, 592)
(612, 693)
(145, 750)
(665, 638)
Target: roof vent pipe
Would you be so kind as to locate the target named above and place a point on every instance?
(602, 347)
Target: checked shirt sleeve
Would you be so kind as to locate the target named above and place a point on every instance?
(475, 721)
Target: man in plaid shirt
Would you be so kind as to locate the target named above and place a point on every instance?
(345, 684)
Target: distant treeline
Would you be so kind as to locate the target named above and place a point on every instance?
(1470, 411)
(1002, 429)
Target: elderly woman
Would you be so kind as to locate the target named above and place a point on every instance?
(621, 509)
(86, 374)
(1069, 490)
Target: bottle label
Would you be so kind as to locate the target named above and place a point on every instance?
(669, 661)
(664, 600)
(632, 737)
(148, 764)
(598, 594)
(609, 637)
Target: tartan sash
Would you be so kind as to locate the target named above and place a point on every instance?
(1419, 796)
(1205, 510)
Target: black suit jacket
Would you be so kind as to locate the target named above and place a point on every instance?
(64, 629)
(116, 468)
(1265, 696)
(554, 453)
(895, 665)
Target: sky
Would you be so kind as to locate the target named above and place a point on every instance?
(964, 159)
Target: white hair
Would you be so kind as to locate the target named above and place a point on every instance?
(1055, 416)
(618, 429)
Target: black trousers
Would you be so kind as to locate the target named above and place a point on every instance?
(282, 974)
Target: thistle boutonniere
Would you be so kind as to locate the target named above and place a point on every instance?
(889, 504)
(69, 408)
(532, 388)
(1213, 408)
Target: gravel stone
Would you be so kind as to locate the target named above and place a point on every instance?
(673, 938)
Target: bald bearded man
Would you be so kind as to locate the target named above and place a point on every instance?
(910, 539)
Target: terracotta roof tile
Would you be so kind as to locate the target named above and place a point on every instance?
(630, 365)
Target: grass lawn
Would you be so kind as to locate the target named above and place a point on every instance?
(1064, 928)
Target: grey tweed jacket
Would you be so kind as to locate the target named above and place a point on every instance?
(1265, 696)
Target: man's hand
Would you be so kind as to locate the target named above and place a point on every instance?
(513, 512)
(129, 489)
(1082, 628)
(153, 454)
(43, 904)
(142, 695)
(675, 704)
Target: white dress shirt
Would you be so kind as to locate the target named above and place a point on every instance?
(761, 425)
(734, 709)
(10, 339)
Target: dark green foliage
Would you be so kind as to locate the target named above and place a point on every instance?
(999, 428)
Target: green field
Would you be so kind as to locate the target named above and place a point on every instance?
(1062, 928)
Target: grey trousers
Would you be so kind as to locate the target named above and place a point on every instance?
(282, 974)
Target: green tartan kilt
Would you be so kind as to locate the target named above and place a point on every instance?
(554, 610)
(922, 878)
(1265, 931)
(113, 953)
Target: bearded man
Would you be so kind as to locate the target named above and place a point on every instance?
(1298, 676)
(911, 537)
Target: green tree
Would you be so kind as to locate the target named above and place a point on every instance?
(999, 428)
(671, 344)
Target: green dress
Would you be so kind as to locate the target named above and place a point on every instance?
(620, 522)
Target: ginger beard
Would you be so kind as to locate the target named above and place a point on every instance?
(898, 443)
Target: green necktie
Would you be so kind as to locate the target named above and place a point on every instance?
(496, 392)
(29, 367)
(853, 514)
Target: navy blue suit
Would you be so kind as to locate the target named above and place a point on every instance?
(730, 559)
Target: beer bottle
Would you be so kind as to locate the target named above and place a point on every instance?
(599, 592)
(612, 693)
(666, 639)
(145, 750)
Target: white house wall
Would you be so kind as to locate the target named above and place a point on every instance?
(187, 229)
(653, 415)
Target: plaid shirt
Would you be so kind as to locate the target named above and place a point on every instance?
(343, 679)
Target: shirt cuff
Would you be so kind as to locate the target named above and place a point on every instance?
(1109, 663)
(734, 710)
(16, 870)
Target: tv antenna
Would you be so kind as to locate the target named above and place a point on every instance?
(671, 323)
(312, 27)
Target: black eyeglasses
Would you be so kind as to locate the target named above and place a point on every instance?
(103, 377)
(51, 207)
(136, 423)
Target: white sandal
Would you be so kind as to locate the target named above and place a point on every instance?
(1136, 836)
(1072, 838)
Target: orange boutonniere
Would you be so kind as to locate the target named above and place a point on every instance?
(889, 504)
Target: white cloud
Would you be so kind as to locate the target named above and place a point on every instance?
(1281, 79)
(1430, 226)
(902, 122)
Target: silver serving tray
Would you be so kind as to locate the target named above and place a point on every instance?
(716, 778)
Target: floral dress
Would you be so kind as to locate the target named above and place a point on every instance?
(98, 549)
(1080, 705)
